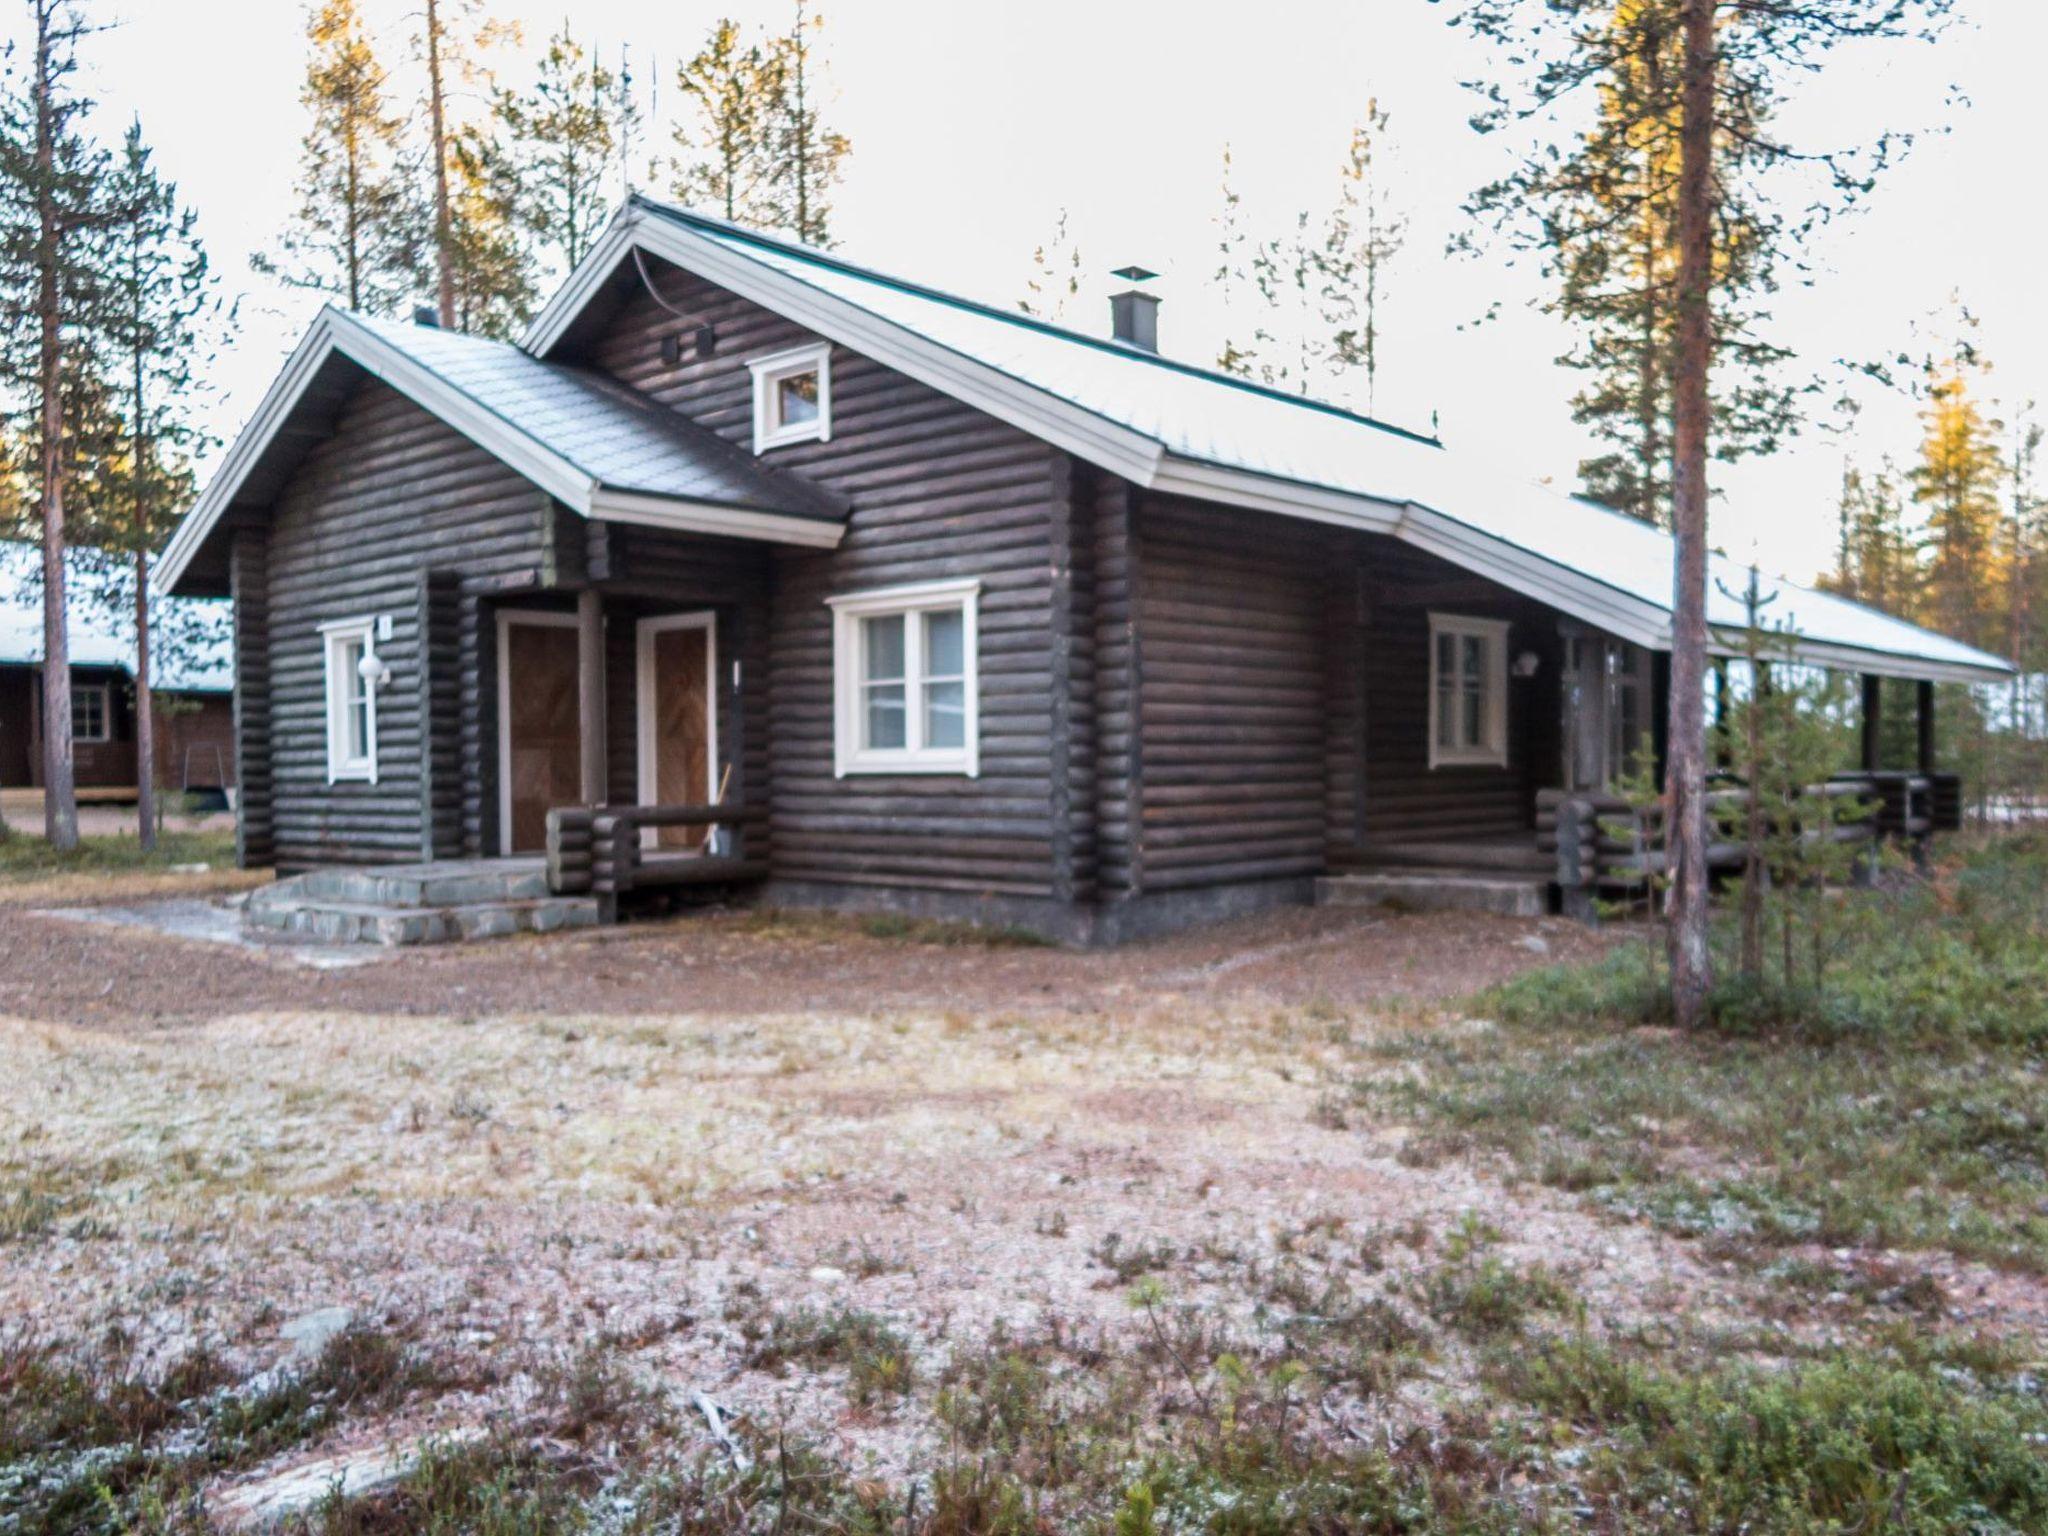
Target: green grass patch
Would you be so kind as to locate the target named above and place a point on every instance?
(1904, 1107)
(24, 858)
(1856, 1442)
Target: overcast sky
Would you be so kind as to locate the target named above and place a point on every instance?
(973, 125)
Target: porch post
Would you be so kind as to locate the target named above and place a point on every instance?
(1873, 721)
(1923, 700)
(590, 693)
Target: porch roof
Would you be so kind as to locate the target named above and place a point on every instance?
(1176, 428)
(600, 447)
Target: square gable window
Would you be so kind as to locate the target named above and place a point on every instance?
(793, 396)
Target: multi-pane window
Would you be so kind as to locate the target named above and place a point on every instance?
(792, 396)
(89, 713)
(1468, 690)
(351, 700)
(904, 666)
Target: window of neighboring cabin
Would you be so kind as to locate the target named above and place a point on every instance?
(793, 397)
(1468, 691)
(905, 680)
(90, 718)
(351, 701)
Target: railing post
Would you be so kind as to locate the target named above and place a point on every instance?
(1575, 868)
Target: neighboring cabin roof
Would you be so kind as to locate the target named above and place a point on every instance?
(600, 447)
(194, 642)
(1175, 428)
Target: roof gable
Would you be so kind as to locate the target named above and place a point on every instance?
(602, 449)
(1171, 427)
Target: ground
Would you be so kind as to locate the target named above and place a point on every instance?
(810, 1169)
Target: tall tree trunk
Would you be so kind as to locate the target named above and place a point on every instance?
(60, 800)
(145, 708)
(145, 713)
(1685, 774)
(444, 231)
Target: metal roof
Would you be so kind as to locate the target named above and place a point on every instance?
(194, 637)
(1173, 427)
(600, 447)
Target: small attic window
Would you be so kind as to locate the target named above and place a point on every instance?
(793, 396)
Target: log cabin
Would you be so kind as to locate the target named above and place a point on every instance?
(194, 736)
(753, 567)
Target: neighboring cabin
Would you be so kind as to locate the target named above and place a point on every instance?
(970, 614)
(193, 690)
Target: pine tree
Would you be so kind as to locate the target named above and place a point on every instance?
(1877, 561)
(563, 138)
(491, 268)
(1055, 279)
(358, 232)
(1366, 234)
(1731, 63)
(1959, 481)
(726, 153)
(53, 210)
(159, 289)
(1314, 290)
(454, 36)
(808, 154)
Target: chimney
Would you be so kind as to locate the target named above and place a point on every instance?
(427, 315)
(1134, 313)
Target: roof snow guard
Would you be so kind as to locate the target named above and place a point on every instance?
(601, 448)
(1174, 428)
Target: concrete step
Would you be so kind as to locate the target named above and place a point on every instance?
(305, 915)
(1435, 890)
(455, 883)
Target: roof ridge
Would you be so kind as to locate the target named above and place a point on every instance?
(1115, 348)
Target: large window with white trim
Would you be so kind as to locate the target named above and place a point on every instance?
(905, 680)
(351, 652)
(793, 396)
(1468, 691)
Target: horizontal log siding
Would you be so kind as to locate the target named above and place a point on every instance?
(388, 494)
(1406, 799)
(938, 490)
(1231, 703)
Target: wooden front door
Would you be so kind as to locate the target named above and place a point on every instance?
(540, 763)
(678, 666)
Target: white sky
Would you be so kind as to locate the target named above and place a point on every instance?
(974, 124)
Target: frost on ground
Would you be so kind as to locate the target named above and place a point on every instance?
(756, 1213)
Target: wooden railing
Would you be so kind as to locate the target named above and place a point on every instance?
(1603, 840)
(601, 850)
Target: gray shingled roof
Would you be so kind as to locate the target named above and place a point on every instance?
(622, 439)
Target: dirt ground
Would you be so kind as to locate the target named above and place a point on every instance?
(728, 964)
(659, 1134)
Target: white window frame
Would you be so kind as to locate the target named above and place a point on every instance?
(341, 767)
(770, 431)
(106, 731)
(850, 755)
(1493, 634)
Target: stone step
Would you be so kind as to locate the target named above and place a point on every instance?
(310, 916)
(1433, 890)
(456, 883)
